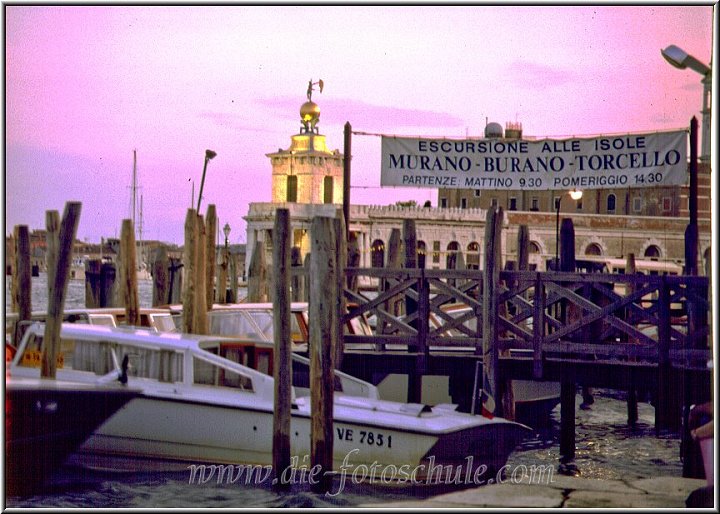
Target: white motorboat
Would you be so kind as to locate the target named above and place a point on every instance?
(534, 400)
(209, 400)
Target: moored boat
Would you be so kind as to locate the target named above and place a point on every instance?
(200, 405)
(534, 400)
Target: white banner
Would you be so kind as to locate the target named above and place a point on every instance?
(631, 160)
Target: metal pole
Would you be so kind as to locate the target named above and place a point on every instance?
(209, 154)
(691, 233)
(202, 183)
(346, 178)
(557, 235)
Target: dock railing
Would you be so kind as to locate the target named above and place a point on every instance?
(649, 318)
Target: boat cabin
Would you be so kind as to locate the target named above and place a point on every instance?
(104, 354)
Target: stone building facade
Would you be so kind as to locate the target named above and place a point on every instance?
(648, 222)
(667, 202)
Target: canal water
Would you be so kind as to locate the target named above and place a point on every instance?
(606, 449)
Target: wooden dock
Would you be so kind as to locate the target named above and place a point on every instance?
(646, 334)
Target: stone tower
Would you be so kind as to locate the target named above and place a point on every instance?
(307, 172)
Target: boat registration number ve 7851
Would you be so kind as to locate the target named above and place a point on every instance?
(368, 437)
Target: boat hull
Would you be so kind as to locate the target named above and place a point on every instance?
(152, 434)
(45, 421)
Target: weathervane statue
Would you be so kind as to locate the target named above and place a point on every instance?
(309, 111)
(310, 88)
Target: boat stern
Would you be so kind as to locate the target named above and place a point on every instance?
(475, 455)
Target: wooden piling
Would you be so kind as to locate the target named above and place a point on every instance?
(232, 290)
(221, 289)
(568, 387)
(282, 361)
(409, 239)
(323, 332)
(523, 251)
(60, 239)
(306, 279)
(22, 278)
(201, 276)
(663, 401)
(340, 303)
(568, 390)
(100, 284)
(108, 280)
(10, 255)
(632, 404)
(210, 259)
(491, 279)
(257, 275)
(296, 281)
(92, 283)
(394, 261)
(409, 235)
(161, 282)
(176, 280)
(353, 260)
(128, 273)
(190, 272)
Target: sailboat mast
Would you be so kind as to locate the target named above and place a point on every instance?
(140, 230)
(134, 185)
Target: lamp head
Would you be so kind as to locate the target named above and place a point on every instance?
(575, 194)
(681, 59)
(226, 230)
(209, 154)
(675, 56)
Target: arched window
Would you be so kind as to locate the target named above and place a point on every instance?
(292, 188)
(611, 203)
(473, 256)
(593, 249)
(328, 190)
(652, 252)
(377, 254)
(533, 247)
(421, 253)
(452, 254)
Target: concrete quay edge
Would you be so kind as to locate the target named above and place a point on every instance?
(563, 492)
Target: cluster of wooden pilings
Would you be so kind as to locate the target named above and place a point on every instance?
(173, 276)
(60, 237)
(327, 260)
(115, 284)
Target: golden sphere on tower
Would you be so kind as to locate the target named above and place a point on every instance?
(309, 111)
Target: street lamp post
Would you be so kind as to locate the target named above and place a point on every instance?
(209, 154)
(682, 60)
(226, 261)
(575, 195)
(226, 231)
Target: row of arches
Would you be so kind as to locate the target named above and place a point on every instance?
(470, 258)
(453, 255)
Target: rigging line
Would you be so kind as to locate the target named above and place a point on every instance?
(403, 136)
(531, 138)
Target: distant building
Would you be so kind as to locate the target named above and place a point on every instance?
(667, 202)
(648, 222)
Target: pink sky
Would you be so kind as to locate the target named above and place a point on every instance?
(86, 85)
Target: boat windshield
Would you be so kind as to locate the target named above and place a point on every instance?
(255, 322)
